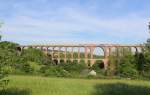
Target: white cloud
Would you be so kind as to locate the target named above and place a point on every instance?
(67, 21)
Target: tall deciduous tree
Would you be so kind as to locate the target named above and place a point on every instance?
(0, 64)
(8, 55)
(147, 57)
(0, 34)
(0, 31)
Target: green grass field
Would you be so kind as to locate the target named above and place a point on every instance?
(34, 85)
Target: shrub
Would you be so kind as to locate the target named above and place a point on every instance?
(112, 66)
(8, 56)
(63, 69)
(27, 68)
(2, 74)
(31, 68)
(82, 61)
(56, 71)
(43, 68)
(127, 68)
(98, 67)
(73, 67)
(35, 55)
(8, 69)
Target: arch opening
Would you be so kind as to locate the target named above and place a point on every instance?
(82, 53)
(55, 61)
(100, 64)
(62, 53)
(55, 53)
(98, 53)
(113, 51)
(19, 49)
(75, 53)
(49, 52)
(69, 50)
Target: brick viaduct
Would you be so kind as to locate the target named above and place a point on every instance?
(88, 50)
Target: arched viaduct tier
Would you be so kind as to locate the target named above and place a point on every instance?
(86, 49)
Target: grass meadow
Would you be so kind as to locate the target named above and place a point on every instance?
(35, 85)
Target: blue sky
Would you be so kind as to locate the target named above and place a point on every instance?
(75, 21)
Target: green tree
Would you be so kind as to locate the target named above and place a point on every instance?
(112, 66)
(8, 56)
(0, 31)
(147, 59)
(140, 62)
(122, 63)
(1, 72)
(127, 67)
(35, 55)
(8, 53)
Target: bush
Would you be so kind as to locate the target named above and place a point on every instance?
(10, 46)
(98, 67)
(35, 55)
(27, 68)
(57, 71)
(112, 66)
(73, 67)
(146, 66)
(8, 56)
(8, 69)
(63, 69)
(128, 72)
(2, 74)
(127, 68)
(43, 68)
(31, 68)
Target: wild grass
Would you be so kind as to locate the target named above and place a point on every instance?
(35, 85)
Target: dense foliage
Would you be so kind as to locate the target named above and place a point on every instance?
(146, 66)
(2, 65)
(131, 65)
(35, 62)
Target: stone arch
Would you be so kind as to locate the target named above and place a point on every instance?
(139, 49)
(45, 50)
(75, 54)
(56, 61)
(25, 47)
(75, 61)
(89, 53)
(133, 50)
(49, 50)
(62, 53)
(55, 53)
(113, 51)
(100, 64)
(62, 61)
(120, 50)
(98, 53)
(19, 49)
(105, 61)
(68, 55)
(38, 47)
(82, 54)
(124, 49)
